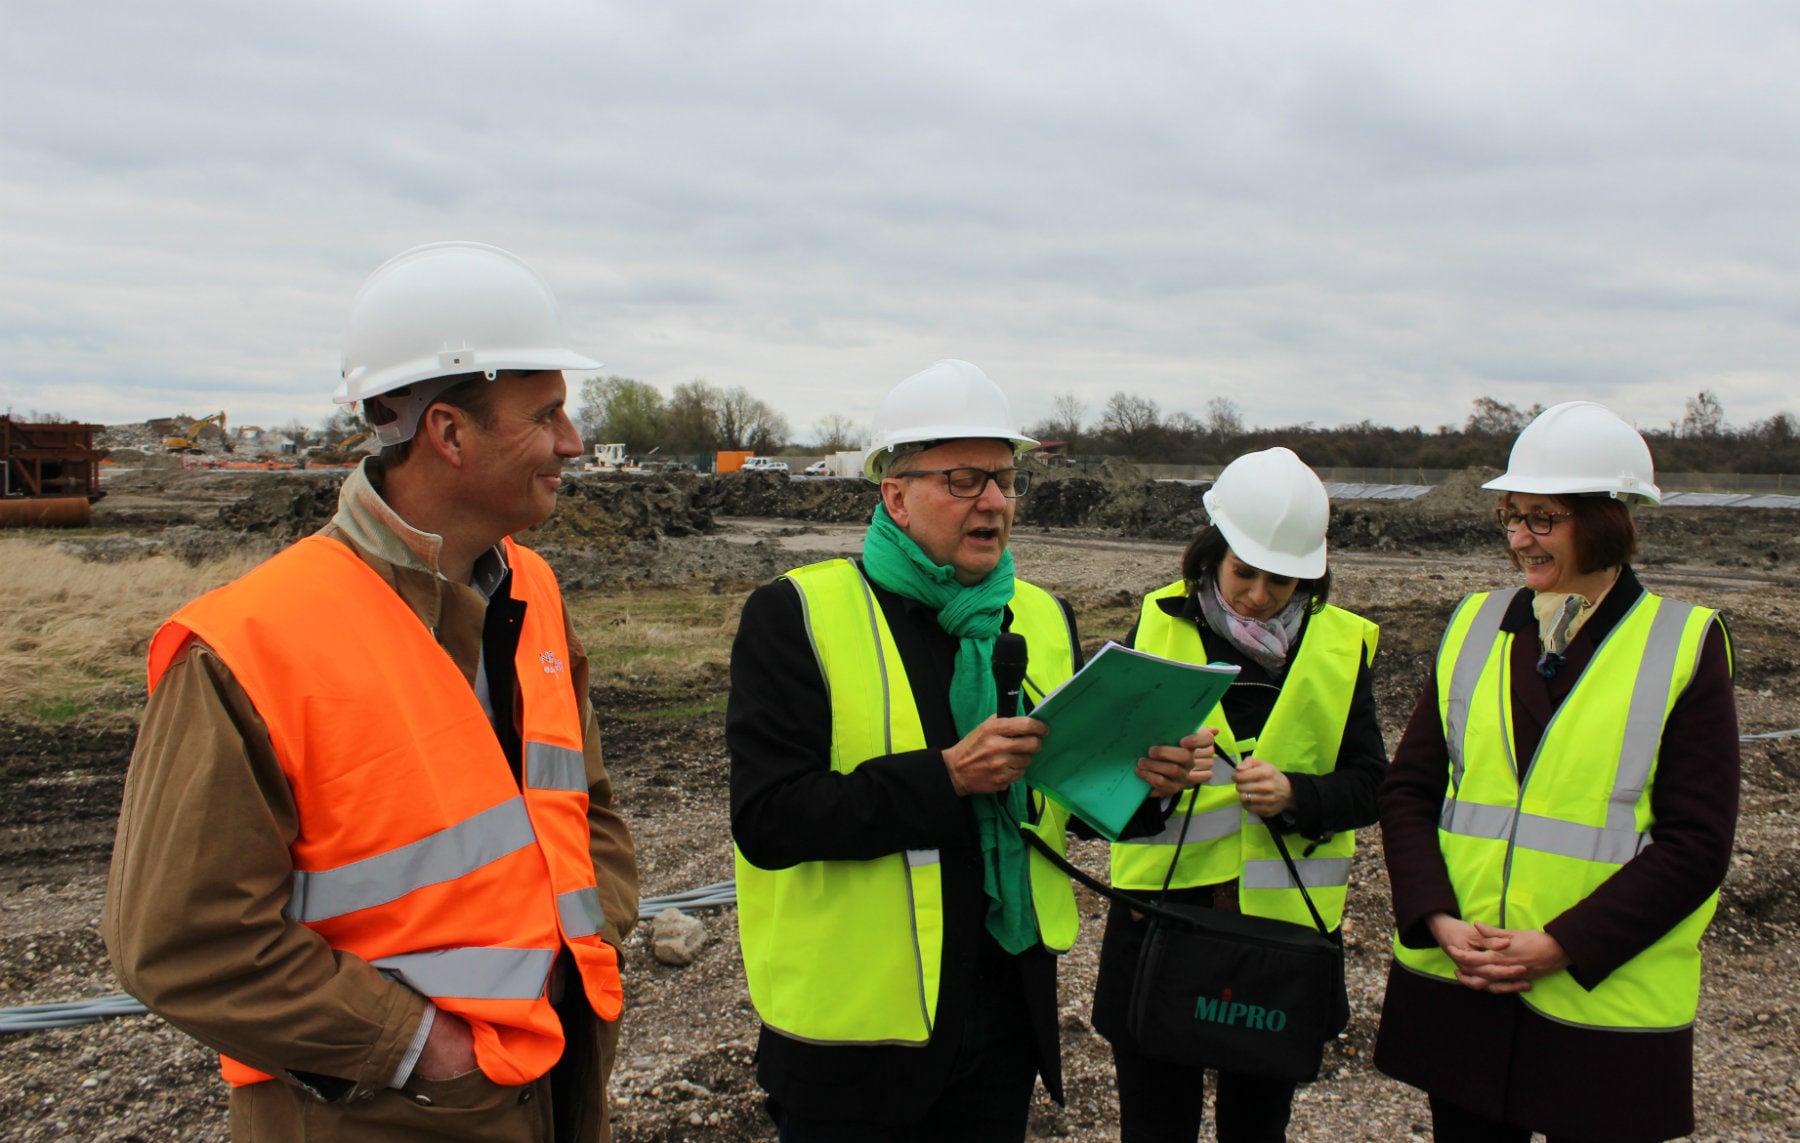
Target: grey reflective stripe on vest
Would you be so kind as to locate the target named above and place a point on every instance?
(918, 857)
(1644, 723)
(550, 767)
(442, 856)
(1541, 834)
(472, 974)
(1209, 826)
(1619, 840)
(1317, 872)
(1477, 642)
(580, 912)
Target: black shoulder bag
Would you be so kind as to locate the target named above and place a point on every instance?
(1231, 991)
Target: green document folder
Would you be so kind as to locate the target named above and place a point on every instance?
(1107, 716)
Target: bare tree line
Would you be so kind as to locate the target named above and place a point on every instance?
(1134, 427)
(699, 417)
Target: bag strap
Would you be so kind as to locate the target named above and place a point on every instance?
(1280, 847)
(1294, 872)
(1187, 819)
(1150, 908)
(1157, 908)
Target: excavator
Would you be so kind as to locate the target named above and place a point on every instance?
(342, 453)
(191, 441)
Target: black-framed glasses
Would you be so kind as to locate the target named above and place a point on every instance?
(968, 483)
(1537, 523)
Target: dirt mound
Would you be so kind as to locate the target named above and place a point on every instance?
(604, 521)
(1461, 492)
(1458, 516)
(1117, 498)
(1065, 503)
(1152, 510)
(776, 494)
(285, 504)
(1390, 526)
(1766, 538)
(607, 511)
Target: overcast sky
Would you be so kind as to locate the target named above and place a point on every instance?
(1325, 212)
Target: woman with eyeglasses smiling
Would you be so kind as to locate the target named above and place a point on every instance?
(1558, 819)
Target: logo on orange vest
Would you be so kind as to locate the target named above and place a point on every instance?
(552, 664)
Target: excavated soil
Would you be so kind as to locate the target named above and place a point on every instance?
(686, 1070)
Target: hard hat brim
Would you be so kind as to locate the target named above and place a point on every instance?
(355, 388)
(1312, 565)
(875, 463)
(1552, 486)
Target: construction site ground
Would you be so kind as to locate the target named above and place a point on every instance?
(686, 1070)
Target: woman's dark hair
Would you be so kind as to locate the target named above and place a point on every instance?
(1207, 551)
(1605, 534)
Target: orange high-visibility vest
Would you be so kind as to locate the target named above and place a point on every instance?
(417, 850)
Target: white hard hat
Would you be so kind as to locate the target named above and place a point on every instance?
(952, 400)
(1580, 447)
(445, 309)
(1273, 512)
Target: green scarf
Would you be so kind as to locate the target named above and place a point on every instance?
(973, 614)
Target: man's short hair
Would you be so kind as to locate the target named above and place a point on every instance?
(470, 392)
(902, 458)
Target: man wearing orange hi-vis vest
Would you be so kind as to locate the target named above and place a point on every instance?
(384, 878)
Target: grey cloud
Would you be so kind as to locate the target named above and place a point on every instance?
(1418, 203)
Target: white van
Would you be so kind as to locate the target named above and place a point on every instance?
(764, 464)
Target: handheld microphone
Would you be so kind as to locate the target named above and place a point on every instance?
(1009, 671)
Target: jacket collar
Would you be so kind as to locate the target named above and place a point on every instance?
(367, 520)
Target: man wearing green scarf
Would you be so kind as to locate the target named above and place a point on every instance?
(899, 936)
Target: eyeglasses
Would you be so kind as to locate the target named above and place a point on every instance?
(968, 483)
(1537, 523)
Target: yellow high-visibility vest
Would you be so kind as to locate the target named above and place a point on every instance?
(1302, 735)
(849, 952)
(1520, 856)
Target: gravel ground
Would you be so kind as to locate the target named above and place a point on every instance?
(686, 1071)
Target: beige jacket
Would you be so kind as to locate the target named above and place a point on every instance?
(201, 874)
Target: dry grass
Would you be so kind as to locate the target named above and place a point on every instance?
(661, 638)
(73, 634)
(73, 637)
(667, 638)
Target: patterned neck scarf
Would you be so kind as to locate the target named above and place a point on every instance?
(1266, 641)
(1560, 615)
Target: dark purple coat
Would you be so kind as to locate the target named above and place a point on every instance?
(1491, 1054)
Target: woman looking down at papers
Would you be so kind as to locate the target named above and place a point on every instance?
(1300, 726)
